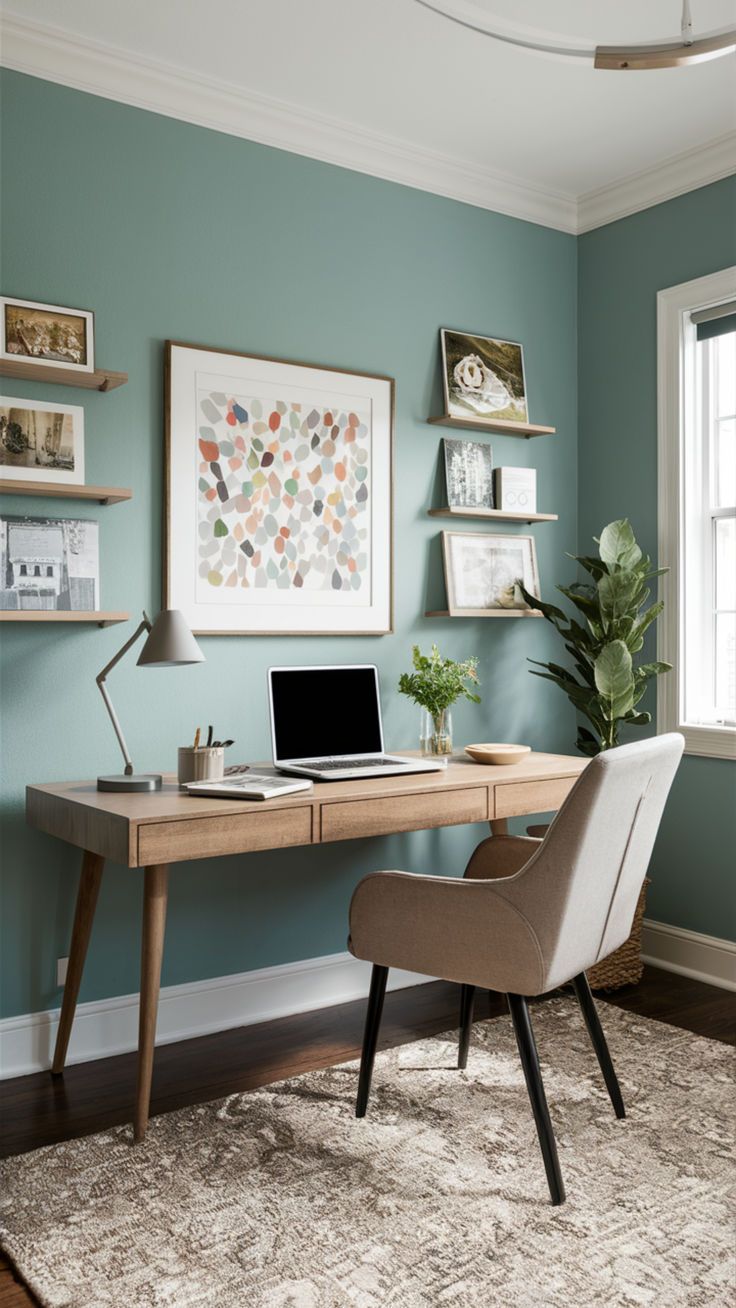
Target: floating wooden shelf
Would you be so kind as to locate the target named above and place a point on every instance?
(485, 613)
(62, 615)
(492, 515)
(502, 426)
(59, 490)
(102, 379)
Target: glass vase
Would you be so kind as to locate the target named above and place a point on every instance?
(435, 733)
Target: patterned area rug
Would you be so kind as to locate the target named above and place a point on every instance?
(279, 1198)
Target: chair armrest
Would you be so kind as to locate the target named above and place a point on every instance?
(500, 856)
(445, 927)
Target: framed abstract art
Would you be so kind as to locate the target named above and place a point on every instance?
(278, 495)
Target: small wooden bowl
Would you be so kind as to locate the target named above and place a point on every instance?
(499, 755)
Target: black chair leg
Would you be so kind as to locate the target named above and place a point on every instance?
(379, 977)
(519, 1010)
(595, 1031)
(467, 1000)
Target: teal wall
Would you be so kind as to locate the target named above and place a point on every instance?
(168, 230)
(621, 267)
(174, 231)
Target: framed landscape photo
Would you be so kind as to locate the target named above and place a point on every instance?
(483, 377)
(47, 335)
(278, 495)
(468, 474)
(482, 572)
(41, 442)
(49, 564)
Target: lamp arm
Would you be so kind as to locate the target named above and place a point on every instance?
(144, 625)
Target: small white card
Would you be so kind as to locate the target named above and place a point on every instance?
(516, 489)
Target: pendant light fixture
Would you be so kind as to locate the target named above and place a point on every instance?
(675, 54)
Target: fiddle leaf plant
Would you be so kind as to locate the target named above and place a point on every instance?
(609, 684)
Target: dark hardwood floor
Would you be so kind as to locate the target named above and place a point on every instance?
(39, 1110)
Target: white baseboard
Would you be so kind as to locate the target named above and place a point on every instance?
(705, 958)
(110, 1026)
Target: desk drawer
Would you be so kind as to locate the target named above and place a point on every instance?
(344, 820)
(516, 797)
(171, 842)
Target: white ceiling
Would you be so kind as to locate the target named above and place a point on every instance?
(390, 87)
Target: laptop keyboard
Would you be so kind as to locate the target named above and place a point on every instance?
(338, 764)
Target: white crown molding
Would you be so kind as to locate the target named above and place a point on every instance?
(105, 1027)
(100, 69)
(160, 88)
(683, 172)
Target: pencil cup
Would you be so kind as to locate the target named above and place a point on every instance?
(200, 764)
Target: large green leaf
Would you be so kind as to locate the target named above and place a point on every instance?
(647, 670)
(551, 612)
(591, 564)
(615, 680)
(645, 621)
(617, 594)
(587, 743)
(617, 545)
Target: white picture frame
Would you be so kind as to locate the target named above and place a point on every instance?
(74, 350)
(481, 570)
(294, 536)
(53, 437)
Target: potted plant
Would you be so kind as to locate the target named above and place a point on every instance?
(435, 684)
(610, 683)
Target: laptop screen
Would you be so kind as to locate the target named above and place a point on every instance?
(319, 712)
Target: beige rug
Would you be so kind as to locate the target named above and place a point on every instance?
(279, 1198)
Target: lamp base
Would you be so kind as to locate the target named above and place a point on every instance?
(138, 781)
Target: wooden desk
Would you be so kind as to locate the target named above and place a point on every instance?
(155, 830)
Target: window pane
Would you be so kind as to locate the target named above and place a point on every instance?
(725, 469)
(726, 664)
(725, 587)
(725, 349)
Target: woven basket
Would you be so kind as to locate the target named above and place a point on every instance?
(624, 966)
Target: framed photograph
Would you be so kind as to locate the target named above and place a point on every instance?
(47, 335)
(49, 563)
(483, 377)
(482, 572)
(278, 495)
(468, 474)
(41, 442)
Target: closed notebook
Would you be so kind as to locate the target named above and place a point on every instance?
(256, 785)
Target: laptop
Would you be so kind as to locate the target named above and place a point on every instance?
(326, 724)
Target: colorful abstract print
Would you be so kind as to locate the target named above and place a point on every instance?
(283, 496)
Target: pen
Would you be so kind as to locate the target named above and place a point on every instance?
(209, 737)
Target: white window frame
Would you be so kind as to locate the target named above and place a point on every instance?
(679, 488)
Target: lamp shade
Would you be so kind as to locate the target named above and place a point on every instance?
(170, 642)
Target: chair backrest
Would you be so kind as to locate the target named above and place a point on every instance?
(579, 892)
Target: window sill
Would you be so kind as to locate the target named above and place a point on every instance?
(709, 742)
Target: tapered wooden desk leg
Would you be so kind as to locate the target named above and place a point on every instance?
(499, 826)
(84, 913)
(155, 894)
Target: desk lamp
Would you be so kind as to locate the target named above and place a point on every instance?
(170, 644)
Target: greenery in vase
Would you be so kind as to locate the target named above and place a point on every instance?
(609, 684)
(436, 683)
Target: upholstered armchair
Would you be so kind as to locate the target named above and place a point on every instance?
(528, 916)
